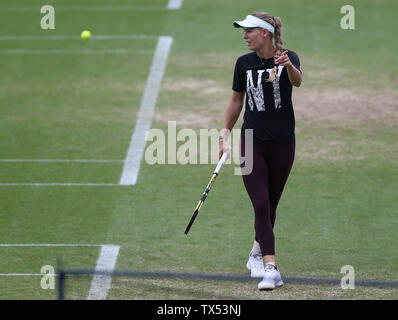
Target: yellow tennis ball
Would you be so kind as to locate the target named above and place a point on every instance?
(85, 35)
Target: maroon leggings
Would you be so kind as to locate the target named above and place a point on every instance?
(271, 167)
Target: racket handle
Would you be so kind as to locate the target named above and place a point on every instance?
(221, 163)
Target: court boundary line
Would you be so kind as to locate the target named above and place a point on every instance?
(27, 274)
(133, 37)
(52, 245)
(73, 51)
(62, 160)
(85, 8)
(59, 184)
(101, 284)
(137, 145)
(174, 4)
(171, 5)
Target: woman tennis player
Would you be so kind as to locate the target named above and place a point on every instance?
(266, 77)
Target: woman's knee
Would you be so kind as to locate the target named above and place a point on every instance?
(262, 207)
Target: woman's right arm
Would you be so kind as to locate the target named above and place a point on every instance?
(233, 111)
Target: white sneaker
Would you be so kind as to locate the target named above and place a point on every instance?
(272, 278)
(256, 266)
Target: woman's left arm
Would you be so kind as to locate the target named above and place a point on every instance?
(293, 73)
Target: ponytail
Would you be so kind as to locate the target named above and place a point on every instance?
(276, 22)
(277, 35)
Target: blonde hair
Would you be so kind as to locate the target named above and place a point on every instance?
(276, 22)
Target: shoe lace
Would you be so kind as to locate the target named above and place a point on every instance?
(269, 267)
(258, 261)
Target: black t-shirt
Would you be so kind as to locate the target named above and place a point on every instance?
(269, 108)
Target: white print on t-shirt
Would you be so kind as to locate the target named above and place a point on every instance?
(255, 95)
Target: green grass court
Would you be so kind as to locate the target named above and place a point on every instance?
(69, 99)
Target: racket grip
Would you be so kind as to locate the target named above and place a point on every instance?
(221, 163)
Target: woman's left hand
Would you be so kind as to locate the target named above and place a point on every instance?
(293, 74)
(283, 59)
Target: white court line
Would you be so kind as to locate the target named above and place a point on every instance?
(76, 51)
(84, 8)
(106, 262)
(57, 184)
(49, 245)
(148, 102)
(26, 274)
(77, 37)
(62, 160)
(174, 4)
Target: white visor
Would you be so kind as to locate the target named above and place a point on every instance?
(254, 22)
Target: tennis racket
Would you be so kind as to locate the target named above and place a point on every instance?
(206, 192)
